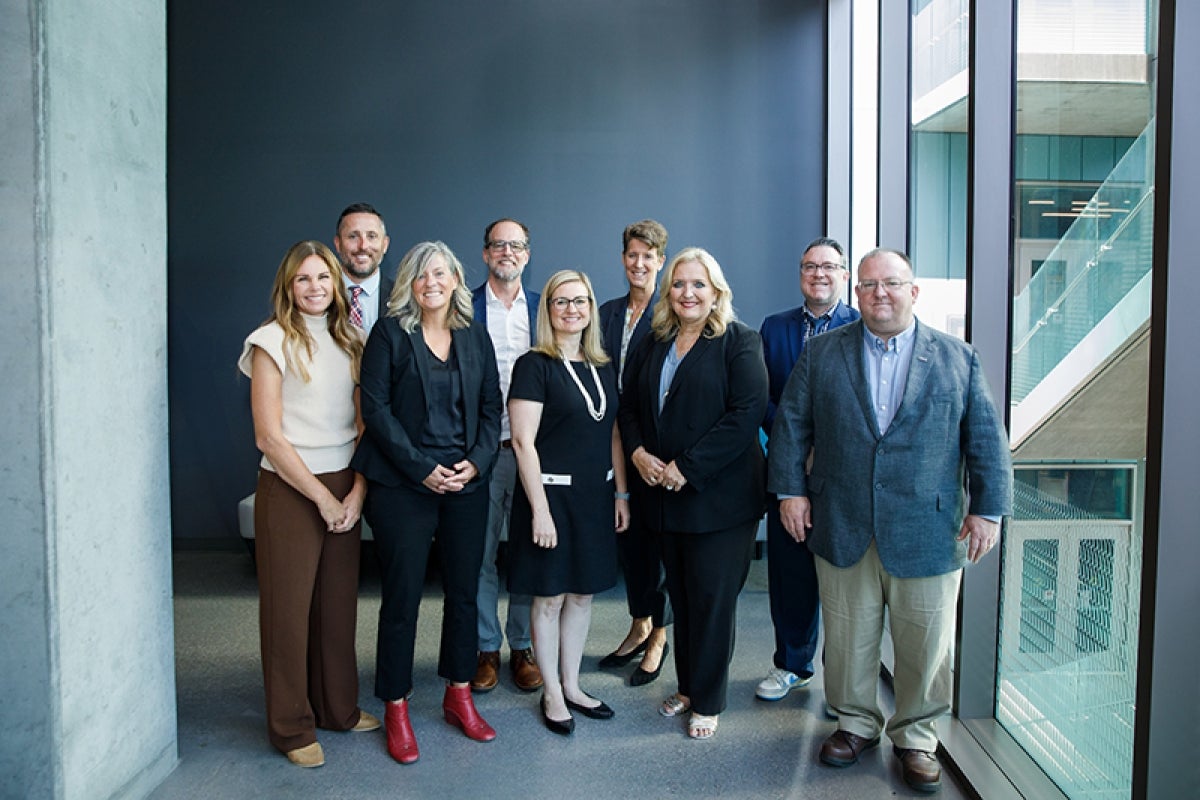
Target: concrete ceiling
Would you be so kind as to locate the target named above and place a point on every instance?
(1065, 108)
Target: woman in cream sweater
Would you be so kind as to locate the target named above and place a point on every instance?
(303, 367)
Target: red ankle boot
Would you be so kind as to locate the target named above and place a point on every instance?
(401, 742)
(460, 711)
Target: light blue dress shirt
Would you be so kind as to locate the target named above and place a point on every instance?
(887, 371)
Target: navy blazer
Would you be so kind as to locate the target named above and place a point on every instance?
(944, 455)
(782, 336)
(479, 303)
(612, 327)
(708, 427)
(393, 382)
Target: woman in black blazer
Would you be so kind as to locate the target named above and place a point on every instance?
(431, 407)
(624, 322)
(694, 395)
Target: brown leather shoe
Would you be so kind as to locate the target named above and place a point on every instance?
(921, 770)
(525, 672)
(842, 748)
(487, 674)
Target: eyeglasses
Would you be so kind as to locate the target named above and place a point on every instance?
(498, 245)
(579, 302)
(808, 268)
(891, 284)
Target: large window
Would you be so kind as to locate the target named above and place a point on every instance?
(1084, 205)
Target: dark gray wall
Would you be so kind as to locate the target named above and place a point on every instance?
(575, 117)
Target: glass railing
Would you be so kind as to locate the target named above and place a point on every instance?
(1103, 255)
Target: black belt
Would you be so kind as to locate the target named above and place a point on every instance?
(506, 444)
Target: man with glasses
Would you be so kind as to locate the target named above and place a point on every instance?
(910, 475)
(361, 242)
(791, 576)
(510, 314)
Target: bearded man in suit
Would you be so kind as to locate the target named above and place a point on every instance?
(361, 242)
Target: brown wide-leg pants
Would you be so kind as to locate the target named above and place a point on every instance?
(308, 603)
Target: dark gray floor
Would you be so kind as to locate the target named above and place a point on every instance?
(762, 750)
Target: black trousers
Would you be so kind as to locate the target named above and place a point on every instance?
(795, 598)
(640, 553)
(705, 574)
(404, 522)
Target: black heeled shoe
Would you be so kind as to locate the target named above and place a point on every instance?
(563, 727)
(641, 677)
(601, 711)
(615, 659)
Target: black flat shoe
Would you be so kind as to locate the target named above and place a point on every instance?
(641, 677)
(601, 711)
(614, 659)
(563, 727)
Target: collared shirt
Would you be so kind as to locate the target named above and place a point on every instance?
(369, 298)
(814, 325)
(511, 337)
(887, 371)
(671, 362)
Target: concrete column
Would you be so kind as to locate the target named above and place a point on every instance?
(87, 699)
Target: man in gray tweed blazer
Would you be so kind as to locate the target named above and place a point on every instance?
(909, 480)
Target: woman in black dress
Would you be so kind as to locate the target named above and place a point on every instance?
(562, 404)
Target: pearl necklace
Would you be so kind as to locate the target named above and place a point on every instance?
(597, 415)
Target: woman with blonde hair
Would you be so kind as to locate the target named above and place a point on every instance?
(303, 365)
(562, 404)
(431, 405)
(694, 395)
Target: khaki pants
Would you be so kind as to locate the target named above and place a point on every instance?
(922, 616)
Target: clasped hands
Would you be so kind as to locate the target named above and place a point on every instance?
(445, 480)
(654, 472)
(340, 515)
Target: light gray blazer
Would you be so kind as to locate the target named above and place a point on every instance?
(944, 455)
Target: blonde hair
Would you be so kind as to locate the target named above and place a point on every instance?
(289, 318)
(403, 305)
(665, 323)
(589, 343)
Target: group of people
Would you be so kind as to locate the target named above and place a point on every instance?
(594, 435)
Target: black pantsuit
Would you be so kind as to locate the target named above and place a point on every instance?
(400, 385)
(639, 550)
(705, 574)
(708, 425)
(404, 521)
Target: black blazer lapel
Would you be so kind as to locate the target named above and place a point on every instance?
(695, 356)
(417, 342)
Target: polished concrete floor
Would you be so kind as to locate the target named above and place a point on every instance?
(761, 750)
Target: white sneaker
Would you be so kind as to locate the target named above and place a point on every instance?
(778, 683)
